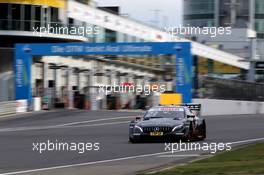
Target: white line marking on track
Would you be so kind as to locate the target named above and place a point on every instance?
(96, 120)
(65, 125)
(83, 164)
(112, 160)
(60, 127)
(249, 140)
(97, 124)
(179, 155)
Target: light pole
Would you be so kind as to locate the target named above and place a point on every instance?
(251, 34)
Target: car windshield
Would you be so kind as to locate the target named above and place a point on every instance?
(175, 113)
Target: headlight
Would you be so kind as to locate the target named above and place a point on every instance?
(177, 127)
(137, 128)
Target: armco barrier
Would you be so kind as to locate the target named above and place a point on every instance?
(7, 107)
(229, 107)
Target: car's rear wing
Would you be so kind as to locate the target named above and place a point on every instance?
(194, 107)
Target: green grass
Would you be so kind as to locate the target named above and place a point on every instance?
(243, 161)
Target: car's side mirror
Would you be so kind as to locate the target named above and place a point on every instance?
(190, 117)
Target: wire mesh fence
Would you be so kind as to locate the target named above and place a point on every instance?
(218, 88)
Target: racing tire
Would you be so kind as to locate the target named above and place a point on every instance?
(204, 130)
(189, 136)
(132, 140)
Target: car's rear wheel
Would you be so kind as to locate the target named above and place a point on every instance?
(189, 136)
(204, 130)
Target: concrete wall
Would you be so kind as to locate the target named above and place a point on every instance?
(229, 107)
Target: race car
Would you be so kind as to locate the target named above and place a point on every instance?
(181, 122)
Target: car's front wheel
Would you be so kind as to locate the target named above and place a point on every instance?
(133, 140)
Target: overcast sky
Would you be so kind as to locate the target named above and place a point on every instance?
(143, 10)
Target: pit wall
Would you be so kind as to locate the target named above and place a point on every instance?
(209, 107)
(229, 107)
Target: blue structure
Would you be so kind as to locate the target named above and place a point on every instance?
(25, 52)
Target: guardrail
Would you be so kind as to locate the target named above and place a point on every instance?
(7, 107)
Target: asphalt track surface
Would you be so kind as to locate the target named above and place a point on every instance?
(116, 155)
